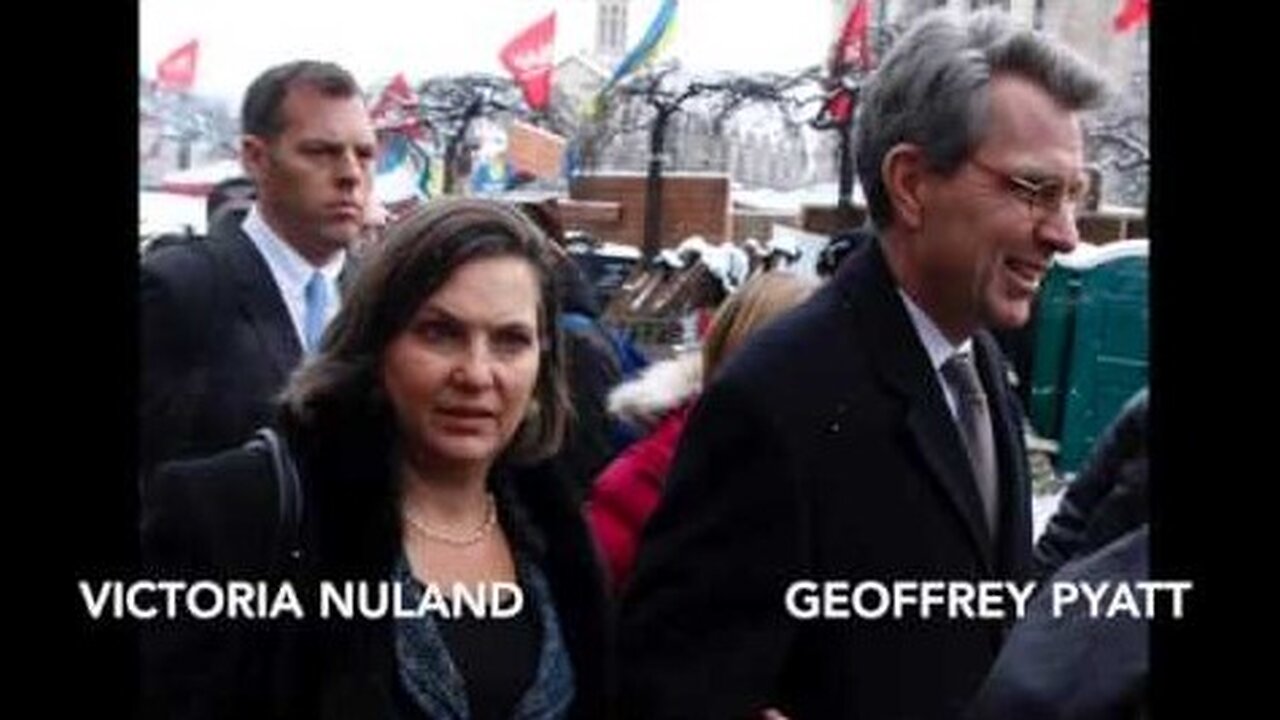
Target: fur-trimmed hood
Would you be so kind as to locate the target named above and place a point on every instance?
(662, 387)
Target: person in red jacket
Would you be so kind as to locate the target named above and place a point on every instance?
(628, 489)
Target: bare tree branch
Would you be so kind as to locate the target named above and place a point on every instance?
(450, 104)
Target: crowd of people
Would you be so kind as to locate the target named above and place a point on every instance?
(443, 409)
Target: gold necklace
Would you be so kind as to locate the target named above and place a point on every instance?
(471, 538)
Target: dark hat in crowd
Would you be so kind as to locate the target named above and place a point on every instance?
(230, 195)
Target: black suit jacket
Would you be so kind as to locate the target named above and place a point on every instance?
(1108, 498)
(823, 451)
(217, 345)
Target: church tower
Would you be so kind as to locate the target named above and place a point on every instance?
(611, 31)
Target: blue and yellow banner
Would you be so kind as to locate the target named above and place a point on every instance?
(651, 45)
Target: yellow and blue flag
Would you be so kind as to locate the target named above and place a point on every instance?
(655, 39)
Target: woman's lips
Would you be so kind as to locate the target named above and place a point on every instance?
(467, 411)
(467, 417)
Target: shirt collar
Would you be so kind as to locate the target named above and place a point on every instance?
(287, 263)
(935, 343)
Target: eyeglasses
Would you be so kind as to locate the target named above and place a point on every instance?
(1045, 197)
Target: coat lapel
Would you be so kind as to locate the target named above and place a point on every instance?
(938, 440)
(901, 361)
(260, 301)
(1014, 542)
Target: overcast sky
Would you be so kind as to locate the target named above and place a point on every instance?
(377, 38)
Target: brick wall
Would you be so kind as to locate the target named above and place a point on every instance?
(693, 204)
(534, 150)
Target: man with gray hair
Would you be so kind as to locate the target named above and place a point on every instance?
(869, 439)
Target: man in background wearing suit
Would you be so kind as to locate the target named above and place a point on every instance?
(224, 321)
(871, 435)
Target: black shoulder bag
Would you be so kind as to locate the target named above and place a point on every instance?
(289, 493)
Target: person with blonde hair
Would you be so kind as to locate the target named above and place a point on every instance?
(627, 491)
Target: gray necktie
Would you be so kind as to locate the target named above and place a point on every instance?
(974, 418)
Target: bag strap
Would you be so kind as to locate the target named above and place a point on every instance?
(289, 493)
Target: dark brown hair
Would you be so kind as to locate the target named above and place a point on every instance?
(261, 112)
(342, 384)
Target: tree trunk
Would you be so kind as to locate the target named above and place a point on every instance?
(455, 143)
(184, 150)
(450, 166)
(653, 188)
(844, 201)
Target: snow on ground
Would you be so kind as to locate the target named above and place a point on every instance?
(1042, 507)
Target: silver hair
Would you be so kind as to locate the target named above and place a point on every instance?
(932, 91)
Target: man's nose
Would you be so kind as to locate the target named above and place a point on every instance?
(351, 168)
(1058, 229)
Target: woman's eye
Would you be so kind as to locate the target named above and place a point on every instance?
(436, 331)
(512, 340)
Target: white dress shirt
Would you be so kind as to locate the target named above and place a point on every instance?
(292, 272)
(936, 344)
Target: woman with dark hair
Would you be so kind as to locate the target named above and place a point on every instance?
(419, 433)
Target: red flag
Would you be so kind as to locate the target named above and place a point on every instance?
(852, 43)
(528, 58)
(850, 47)
(840, 107)
(1131, 15)
(177, 71)
(396, 107)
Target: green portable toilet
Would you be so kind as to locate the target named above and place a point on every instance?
(1108, 349)
(1053, 325)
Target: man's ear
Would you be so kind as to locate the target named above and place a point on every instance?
(904, 172)
(254, 156)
